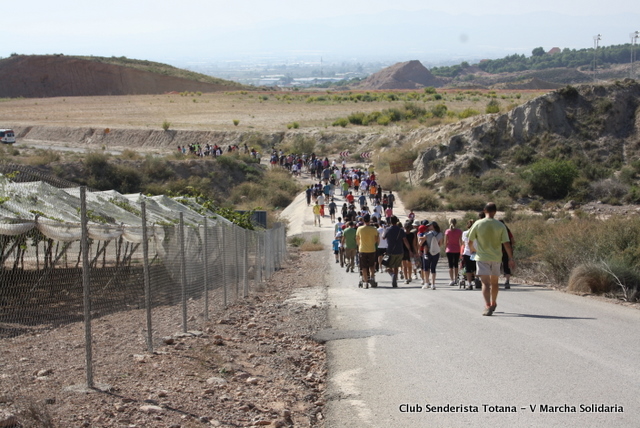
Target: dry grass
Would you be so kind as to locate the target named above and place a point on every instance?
(421, 199)
(260, 111)
(589, 278)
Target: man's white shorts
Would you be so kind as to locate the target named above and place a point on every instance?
(488, 268)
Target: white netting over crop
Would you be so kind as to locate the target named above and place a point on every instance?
(56, 213)
(191, 259)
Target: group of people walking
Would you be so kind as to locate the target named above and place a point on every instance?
(375, 241)
(413, 249)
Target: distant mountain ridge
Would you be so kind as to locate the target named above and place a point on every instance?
(41, 76)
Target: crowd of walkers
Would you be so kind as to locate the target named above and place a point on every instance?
(370, 239)
(215, 150)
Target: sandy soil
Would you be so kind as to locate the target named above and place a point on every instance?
(266, 112)
(205, 112)
(252, 364)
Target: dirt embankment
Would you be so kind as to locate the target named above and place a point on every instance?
(42, 76)
(152, 140)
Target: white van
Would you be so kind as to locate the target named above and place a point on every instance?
(7, 136)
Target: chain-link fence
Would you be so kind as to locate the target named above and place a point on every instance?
(68, 255)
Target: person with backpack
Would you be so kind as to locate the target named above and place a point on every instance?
(432, 242)
(468, 259)
(396, 243)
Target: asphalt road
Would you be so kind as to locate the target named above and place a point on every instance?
(409, 357)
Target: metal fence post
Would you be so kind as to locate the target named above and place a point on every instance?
(237, 242)
(145, 272)
(245, 273)
(224, 268)
(205, 262)
(86, 286)
(183, 268)
(259, 259)
(268, 252)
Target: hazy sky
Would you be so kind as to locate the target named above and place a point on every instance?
(159, 29)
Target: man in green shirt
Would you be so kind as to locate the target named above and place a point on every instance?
(350, 245)
(486, 237)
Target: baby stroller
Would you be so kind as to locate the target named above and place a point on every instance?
(362, 283)
(462, 278)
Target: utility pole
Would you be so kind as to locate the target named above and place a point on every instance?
(596, 40)
(634, 37)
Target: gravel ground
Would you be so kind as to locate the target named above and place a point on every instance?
(253, 364)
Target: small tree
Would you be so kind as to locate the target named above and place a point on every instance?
(236, 122)
(166, 125)
(538, 52)
(551, 179)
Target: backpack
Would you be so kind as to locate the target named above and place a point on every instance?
(434, 247)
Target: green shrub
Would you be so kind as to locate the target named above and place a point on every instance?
(415, 110)
(633, 196)
(383, 120)
(130, 154)
(157, 169)
(627, 175)
(439, 110)
(523, 154)
(535, 205)
(236, 122)
(296, 241)
(356, 118)
(493, 106)
(166, 125)
(468, 112)
(551, 179)
(466, 201)
(343, 122)
(302, 144)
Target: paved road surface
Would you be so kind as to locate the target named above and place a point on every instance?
(543, 360)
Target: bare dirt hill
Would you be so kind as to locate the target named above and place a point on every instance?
(42, 76)
(403, 75)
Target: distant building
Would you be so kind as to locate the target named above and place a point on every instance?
(554, 51)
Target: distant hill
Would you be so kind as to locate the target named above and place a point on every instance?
(403, 75)
(41, 76)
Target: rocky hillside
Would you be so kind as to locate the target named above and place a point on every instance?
(403, 75)
(600, 122)
(61, 76)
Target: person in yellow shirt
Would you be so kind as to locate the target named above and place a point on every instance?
(316, 214)
(367, 238)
